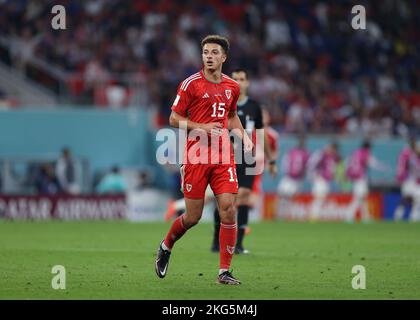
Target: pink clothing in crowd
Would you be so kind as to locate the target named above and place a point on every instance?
(325, 164)
(414, 164)
(295, 163)
(405, 166)
(358, 164)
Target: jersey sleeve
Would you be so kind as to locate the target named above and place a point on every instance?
(182, 101)
(234, 106)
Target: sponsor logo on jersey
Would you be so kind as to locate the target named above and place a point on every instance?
(228, 93)
(206, 95)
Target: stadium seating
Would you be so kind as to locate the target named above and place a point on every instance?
(351, 80)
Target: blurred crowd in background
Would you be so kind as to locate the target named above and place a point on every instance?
(309, 68)
(65, 175)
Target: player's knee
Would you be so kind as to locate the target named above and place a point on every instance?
(243, 196)
(190, 221)
(228, 214)
(252, 201)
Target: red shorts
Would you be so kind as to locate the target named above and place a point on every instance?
(195, 178)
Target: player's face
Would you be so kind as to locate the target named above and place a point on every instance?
(213, 56)
(240, 77)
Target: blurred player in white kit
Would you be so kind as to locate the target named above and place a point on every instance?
(408, 174)
(356, 171)
(294, 166)
(322, 168)
(415, 212)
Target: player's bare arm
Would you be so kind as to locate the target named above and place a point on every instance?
(236, 126)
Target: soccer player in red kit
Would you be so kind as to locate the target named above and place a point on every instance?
(206, 103)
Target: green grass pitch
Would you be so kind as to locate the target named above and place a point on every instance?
(115, 260)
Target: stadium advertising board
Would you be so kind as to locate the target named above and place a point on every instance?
(146, 205)
(63, 207)
(334, 208)
(391, 202)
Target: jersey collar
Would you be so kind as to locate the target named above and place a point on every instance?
(204, 77)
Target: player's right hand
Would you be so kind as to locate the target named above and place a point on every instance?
(213, 128)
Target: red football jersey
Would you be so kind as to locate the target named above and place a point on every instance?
(203, 101)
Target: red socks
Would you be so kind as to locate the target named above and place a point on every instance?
(177, 231)
(227, 240)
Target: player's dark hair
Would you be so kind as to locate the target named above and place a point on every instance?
(240, 70)
(220, 40)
